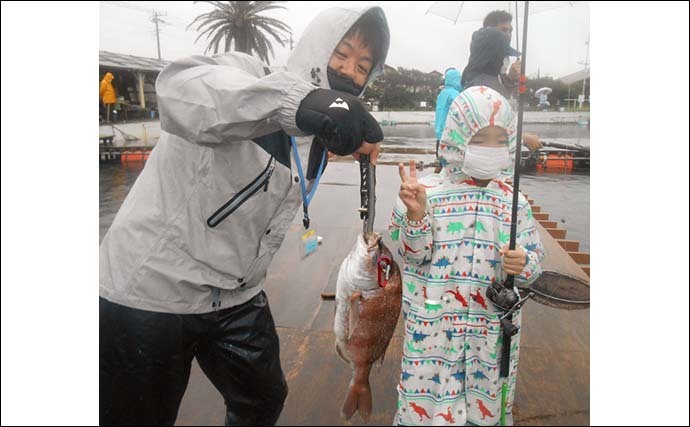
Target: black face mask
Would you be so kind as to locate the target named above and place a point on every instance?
(342, 83)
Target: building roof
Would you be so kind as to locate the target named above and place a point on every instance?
(575, 77)
(129, 62)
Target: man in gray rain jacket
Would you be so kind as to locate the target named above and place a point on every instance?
(183, 264)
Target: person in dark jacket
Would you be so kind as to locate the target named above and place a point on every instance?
(488, 49)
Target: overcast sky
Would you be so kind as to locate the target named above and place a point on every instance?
(556, 38)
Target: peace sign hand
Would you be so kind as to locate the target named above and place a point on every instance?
(412, 193)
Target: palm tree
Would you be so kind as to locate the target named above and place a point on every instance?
(241, 24)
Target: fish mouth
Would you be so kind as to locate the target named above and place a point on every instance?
(375, 246)
(372, 240)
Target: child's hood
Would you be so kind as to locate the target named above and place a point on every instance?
(474, 109)
(311, 55)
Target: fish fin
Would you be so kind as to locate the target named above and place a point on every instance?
(353, 313)
(341, 353)
(379, 361)
(358, 399)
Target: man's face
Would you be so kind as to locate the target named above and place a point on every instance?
(352, 59)
(506, 28)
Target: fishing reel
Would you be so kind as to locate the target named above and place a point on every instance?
(506, 299)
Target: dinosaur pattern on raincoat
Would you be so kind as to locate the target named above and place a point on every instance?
(452, 256)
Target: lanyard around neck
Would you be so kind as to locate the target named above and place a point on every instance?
(306, 197)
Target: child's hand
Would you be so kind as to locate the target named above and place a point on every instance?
(513, 261)
(412, 193)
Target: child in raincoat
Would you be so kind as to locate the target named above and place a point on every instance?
(453, 229)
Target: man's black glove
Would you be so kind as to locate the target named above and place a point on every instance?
(340, 120)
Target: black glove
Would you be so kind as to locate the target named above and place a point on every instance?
(317, 153)
(339, 119)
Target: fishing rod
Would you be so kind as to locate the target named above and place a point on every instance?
(505, 296)
(565, 146)
(367, 191)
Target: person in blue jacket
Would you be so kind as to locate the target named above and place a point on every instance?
(452, 88)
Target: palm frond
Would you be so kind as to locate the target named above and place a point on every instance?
(239, 24)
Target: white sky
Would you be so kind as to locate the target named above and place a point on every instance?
(556, 38)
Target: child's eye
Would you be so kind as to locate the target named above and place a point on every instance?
(362, 70)
(339, 54)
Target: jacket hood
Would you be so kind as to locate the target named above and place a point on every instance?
(474, 109)
(453, 79)
(488, 48)
(313, 51)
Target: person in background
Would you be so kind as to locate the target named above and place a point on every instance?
(451, 89)
(488, 50)
(107, 94)
(510, 73)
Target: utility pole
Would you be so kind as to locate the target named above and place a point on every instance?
(584, 81)
(156, 19)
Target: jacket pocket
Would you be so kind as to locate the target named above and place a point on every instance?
(261, 181)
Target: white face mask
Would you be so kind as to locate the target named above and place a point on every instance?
(485, 162)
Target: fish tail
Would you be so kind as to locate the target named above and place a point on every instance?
(358, 399)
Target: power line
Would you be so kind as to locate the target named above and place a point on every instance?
(128, 5)
(156, 16)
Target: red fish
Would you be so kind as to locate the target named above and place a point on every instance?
(365, 318)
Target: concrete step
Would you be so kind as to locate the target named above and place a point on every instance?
(556, 233)
(568, 245)
(585, 268)
(549, 224)
(579, 257)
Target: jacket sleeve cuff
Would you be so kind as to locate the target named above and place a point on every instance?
(289, 105)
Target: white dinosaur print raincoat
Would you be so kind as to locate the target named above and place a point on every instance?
(452, 351)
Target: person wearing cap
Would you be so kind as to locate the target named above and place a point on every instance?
(183, 265)
(488, 48)
(502, 21)
(509, 74)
